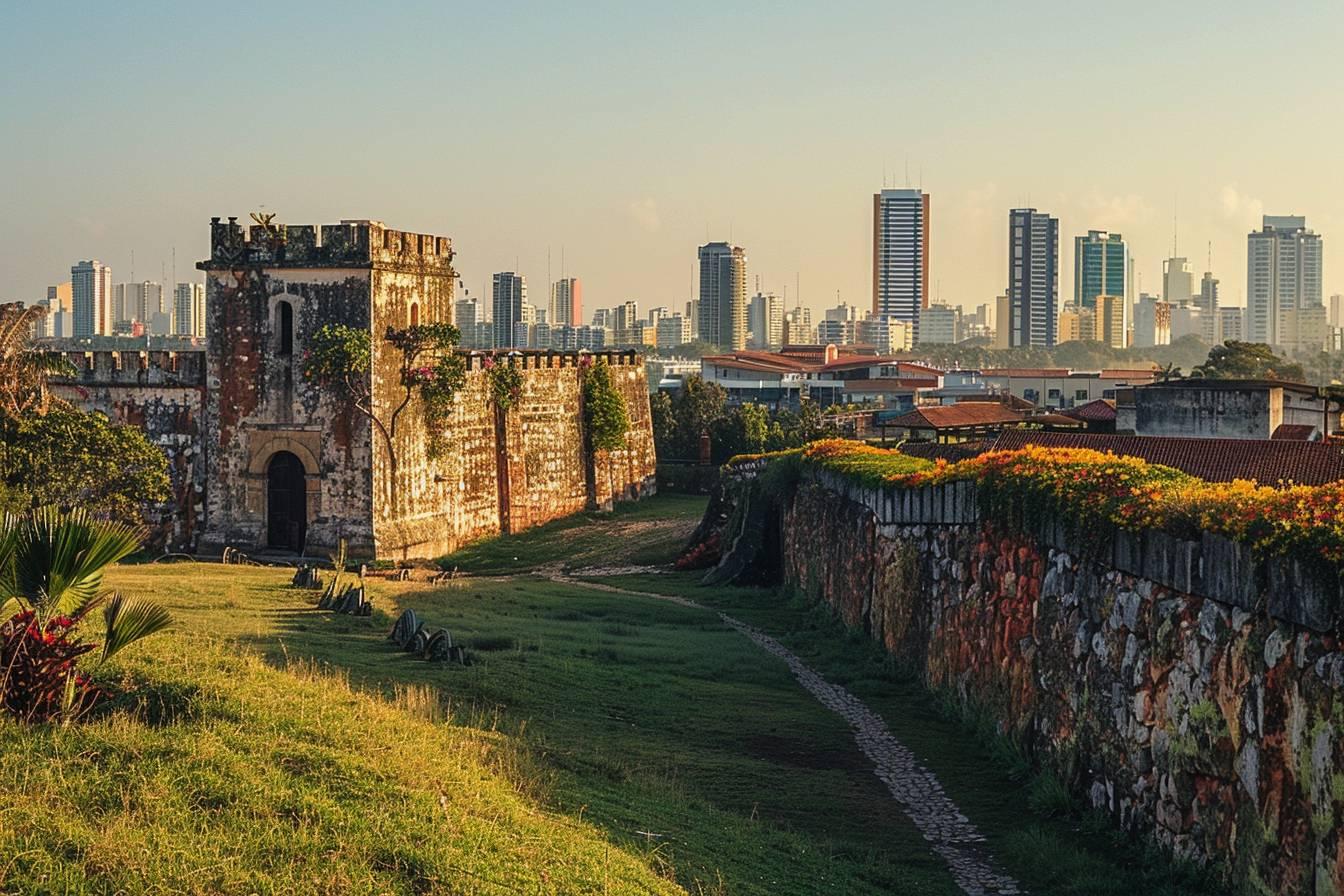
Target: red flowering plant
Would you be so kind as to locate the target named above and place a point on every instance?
(506, 383)
(51, 574)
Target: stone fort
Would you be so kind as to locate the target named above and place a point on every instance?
(261, 459)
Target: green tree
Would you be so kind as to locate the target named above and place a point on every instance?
(606, 419)
(71, 459)
(697, 409)
(1247, 360)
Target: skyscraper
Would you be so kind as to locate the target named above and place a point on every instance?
(1101, 267)
(723, 296)
(566, 303)
(1283, 278)
(1178, 282)
(508, 291)
(901, 255)
(1207, 302)
(1033, 278)
(189, 309)
(91, 298)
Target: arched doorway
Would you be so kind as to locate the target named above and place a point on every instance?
(286, 503)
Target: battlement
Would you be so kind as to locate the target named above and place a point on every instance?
(129, 367)
(351, 243)
(540, 360)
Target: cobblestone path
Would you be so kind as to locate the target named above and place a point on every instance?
(950, 834)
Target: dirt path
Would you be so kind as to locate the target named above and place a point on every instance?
(949, 833)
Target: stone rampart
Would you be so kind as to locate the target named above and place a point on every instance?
(1190, 690)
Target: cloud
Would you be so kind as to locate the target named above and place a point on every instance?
(644, 212)
(1241, 208)
(1115, 212)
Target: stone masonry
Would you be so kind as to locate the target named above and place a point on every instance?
(261, 459)
(1186, 689)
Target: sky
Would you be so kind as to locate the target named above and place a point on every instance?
(625, 134)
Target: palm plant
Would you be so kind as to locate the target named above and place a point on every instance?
(24, 371)
(51, 577)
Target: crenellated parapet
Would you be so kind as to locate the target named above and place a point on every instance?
(349, 244)
(129, 367)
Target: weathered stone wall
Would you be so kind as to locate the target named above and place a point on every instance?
(162, 393)
(1214, 723)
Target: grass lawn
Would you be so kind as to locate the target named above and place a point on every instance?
(599, 744)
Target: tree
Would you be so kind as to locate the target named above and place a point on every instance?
(71, 459)
(340, 358)
(606, 419)
(1247, 361)
(24, 371)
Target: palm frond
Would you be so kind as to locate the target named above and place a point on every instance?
(128, 620)
(59, 558)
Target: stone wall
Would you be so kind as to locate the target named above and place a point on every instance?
(162, 393)
(1187, 689)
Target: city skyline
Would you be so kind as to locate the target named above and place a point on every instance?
(628, 195)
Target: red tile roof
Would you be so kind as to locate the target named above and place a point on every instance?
(1296, 432)
(1102, 411)
(1215, 460)
(952, 416)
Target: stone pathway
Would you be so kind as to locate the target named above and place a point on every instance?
(950, 834)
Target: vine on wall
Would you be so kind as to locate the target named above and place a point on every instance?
(506, 382)
(605, 417)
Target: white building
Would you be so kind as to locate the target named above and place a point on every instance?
(1231, 325)
(901, 254)
(91, 298)
(566, 306)
(672, 331)
(1283, 277)
(1178, 281)
(723, 295)
(938, 325)
(798, 329)
(1152, 322)
(765, 321)
(189, 309)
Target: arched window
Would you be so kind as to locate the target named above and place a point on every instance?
(284, 325)
(415, 314)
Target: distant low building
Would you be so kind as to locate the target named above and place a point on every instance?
(1229, 409)
(821, 374)
(1060, 388)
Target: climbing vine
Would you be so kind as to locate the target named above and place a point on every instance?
(604, 413)
(506, 382)
(340, 358)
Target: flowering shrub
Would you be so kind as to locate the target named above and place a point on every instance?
(702, 556)
(1092, 492)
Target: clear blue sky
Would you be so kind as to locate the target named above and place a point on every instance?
(627, 133)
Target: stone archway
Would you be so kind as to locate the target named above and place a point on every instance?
(286, 503)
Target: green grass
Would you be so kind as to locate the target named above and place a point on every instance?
(597, 744)
(1049, 843)
(641, 533)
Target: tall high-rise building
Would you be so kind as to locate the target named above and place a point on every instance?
(1101, 267)
(91, 298)
(566, 302)
(1003, 315)
(765, 321)
(625, 317)
(1033, 278)
(938, 325)
(59, 304)
(901, 255)
(1283, 277)
(1178, 281)
(1337, 310)
(189, 309)
(508, 295)
(723, 296)
(1207, 303)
